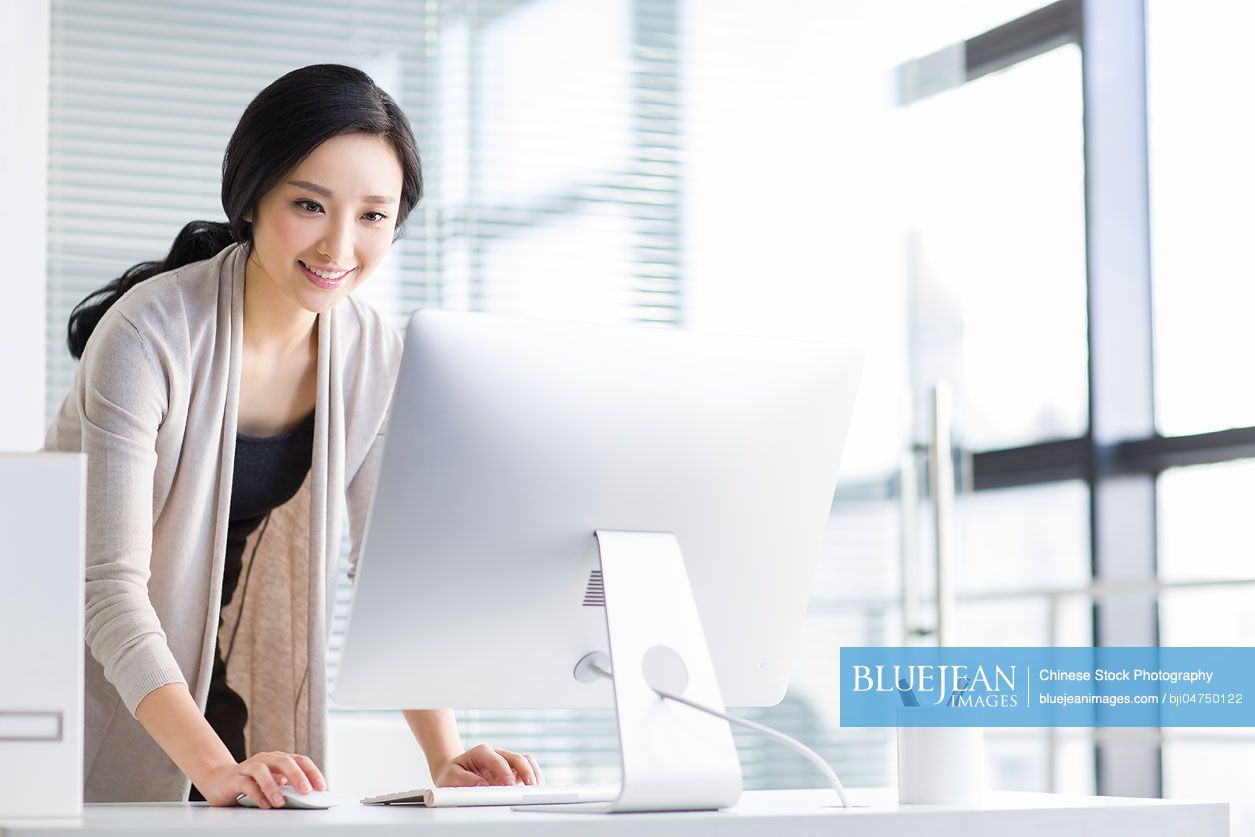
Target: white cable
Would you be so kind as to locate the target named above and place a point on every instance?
(792, 743)
(798, 746)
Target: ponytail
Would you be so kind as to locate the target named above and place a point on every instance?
(197, 241)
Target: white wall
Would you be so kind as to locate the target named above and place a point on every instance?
(23, 219)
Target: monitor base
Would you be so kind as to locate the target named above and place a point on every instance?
(673, 759)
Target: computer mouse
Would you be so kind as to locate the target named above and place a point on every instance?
(314, 800)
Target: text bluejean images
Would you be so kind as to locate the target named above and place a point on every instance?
(1048, 687)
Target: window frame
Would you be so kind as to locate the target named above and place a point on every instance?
(1122, 454)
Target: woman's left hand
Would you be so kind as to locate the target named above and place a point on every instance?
(484, 765)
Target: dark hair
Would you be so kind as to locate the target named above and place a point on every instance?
(280, 128)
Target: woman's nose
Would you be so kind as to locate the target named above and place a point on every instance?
(337, 246)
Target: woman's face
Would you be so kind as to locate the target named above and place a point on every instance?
(324, 228)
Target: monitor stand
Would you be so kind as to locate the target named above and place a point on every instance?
(674, 758)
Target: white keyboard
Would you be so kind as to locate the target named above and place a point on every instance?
(497, 795)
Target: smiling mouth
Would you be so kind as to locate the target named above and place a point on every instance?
(330, 276)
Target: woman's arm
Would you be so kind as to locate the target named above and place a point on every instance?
(437, 733)
(122, 398)
(172, 718)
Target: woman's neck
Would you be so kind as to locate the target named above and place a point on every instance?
(273, 324)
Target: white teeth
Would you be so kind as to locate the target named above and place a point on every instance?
(322, 275)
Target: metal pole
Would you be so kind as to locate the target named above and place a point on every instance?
(908, 526)
(941, 493)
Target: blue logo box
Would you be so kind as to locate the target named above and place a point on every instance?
(1047, 687)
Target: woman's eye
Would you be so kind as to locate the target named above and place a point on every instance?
(308, 206)
(375, 217)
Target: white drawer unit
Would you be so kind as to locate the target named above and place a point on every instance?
(42, 508)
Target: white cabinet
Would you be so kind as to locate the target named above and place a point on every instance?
(41, 634)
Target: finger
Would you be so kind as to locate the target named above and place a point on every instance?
(261, 774)
(250, 787)
(457, 776)
(311, 770)
(540, 777)
(286, 765)
(485, 761)
(520, 765)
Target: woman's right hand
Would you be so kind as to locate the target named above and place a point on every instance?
(260, 777)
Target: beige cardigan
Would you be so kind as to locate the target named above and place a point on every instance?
(154, 407)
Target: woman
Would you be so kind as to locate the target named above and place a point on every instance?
(231, 400)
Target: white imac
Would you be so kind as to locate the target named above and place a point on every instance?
(552, 490)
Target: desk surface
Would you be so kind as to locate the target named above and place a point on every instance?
(778, 813)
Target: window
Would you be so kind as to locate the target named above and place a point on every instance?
(1206, 531)
(1022, 566)
(991, 140)
(1206, 546)
(1200, 167)
(1201, 174)
(996, 225)
(1029, 538)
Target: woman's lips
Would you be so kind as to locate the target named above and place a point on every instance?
(327, 284)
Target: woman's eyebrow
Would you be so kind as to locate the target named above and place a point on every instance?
(326, 193)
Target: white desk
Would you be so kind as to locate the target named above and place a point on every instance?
(775, 813)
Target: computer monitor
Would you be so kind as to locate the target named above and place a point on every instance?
(522, 456)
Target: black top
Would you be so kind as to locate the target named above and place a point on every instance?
(268, 472)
